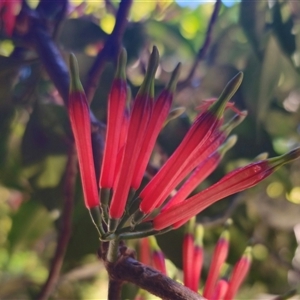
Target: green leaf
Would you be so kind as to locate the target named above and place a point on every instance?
(45, 133)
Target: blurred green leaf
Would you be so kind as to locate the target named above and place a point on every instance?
(171, 244)
(46, 133)
(283, 30)
(76, 34)
(53, 169)
(252, 20)
(30, 223)
(269, 78)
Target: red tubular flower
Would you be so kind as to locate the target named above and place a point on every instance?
(198, 159)
(81, 126)
(220, 290)
(158, 257)
(144, 251)
(204, 126)
(159, 261)
(188, 255)
(138, 122)
(160, 112)
(201, 172)
(199, 156)
(116, 108)
(215, 141)
(236, 181)
(239, 274)
(217, 261)
(198, 257)
(192, 255)
(121, 146)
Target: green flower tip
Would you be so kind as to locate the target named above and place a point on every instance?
(190, 226)
(234, 122)
(230, 142)
(174, 113)
(75, 84)
(147, 86)
(225, 236)
(153, 243)
(232, 86)
(171, 87)
(248, 253)
(121, 68)
(261, 156)
(199, 233)
(279, 161)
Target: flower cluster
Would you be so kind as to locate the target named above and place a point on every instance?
(215, 287)
(132, 130)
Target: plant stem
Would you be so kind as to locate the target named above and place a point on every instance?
(114, 289)
(113, 249)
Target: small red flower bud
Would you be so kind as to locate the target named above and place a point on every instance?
(220, 290)
(144, 251)
(239, 274)
(188, 254)
(198, 257)
(218, 259)
(158, 257)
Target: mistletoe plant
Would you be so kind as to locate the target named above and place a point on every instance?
(120, 205)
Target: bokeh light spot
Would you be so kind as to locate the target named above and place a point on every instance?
(260, 252)
(294, 195)
(275, 189)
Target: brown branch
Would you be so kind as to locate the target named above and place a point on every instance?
(51, 58)
(65, 230)
(128, 269)
(109, 51)
(203, 50)
(114, 289)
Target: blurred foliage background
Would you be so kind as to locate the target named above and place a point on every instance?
(261, 38)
